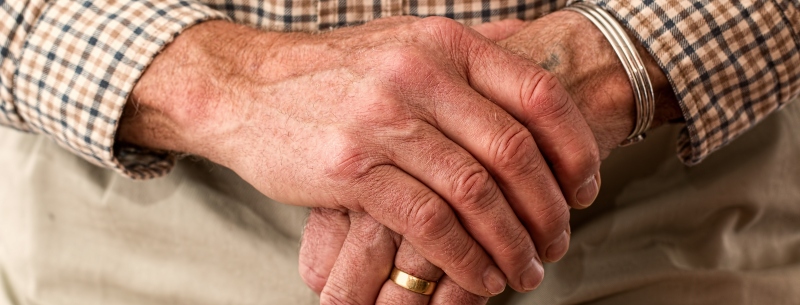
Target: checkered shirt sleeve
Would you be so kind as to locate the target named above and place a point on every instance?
(731, 63)
(68, 66)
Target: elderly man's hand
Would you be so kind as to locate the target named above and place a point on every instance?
(354, 255)
(425, 125)
(565, 43)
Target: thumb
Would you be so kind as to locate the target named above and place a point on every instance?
(499, 30)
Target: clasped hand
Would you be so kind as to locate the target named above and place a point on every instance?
(437, 142)
(498, 165)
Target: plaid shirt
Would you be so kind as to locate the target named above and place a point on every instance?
(67, 66)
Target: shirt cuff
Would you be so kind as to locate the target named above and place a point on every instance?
(81, 60)
(730, 63)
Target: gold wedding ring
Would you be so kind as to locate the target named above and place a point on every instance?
(412, 283)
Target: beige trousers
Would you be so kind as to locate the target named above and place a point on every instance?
(724, 232)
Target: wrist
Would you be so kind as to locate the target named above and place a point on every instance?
(181, 101)
(571, 47)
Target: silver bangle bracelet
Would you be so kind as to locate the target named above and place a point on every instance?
(631, 61)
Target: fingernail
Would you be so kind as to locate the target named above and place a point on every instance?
(532, 277)
(558, 248)
(599, 181)
(494, 280)
(587, 193)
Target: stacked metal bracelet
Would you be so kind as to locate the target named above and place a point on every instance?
(634, 66)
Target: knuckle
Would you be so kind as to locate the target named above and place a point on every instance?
(513, 147)
(354, 162)
(430, 222)
(464, 259)
(553, 218)
(538, 165)
(474, 190)
(549, 106)
(519, 245)
(435, 226)
(544, 97)
(406, 69)
(448, 33)
(400, 62)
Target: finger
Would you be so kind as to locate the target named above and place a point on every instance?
(414, 211)
(363, 264)
(508, 80)
(323, 237)
(448, 292)
(536, 98)
(508, 150)
(499, 30)
(408, 261)
(469, 188)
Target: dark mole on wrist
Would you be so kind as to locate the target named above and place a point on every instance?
(551, 62)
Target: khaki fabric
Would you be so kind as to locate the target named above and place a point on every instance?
(73, 233)
(724, 232)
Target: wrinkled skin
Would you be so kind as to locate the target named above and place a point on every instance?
(347, 257)
(423, 125)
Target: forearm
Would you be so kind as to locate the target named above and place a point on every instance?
(68, 67)
(179, 102)
(218, 82)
